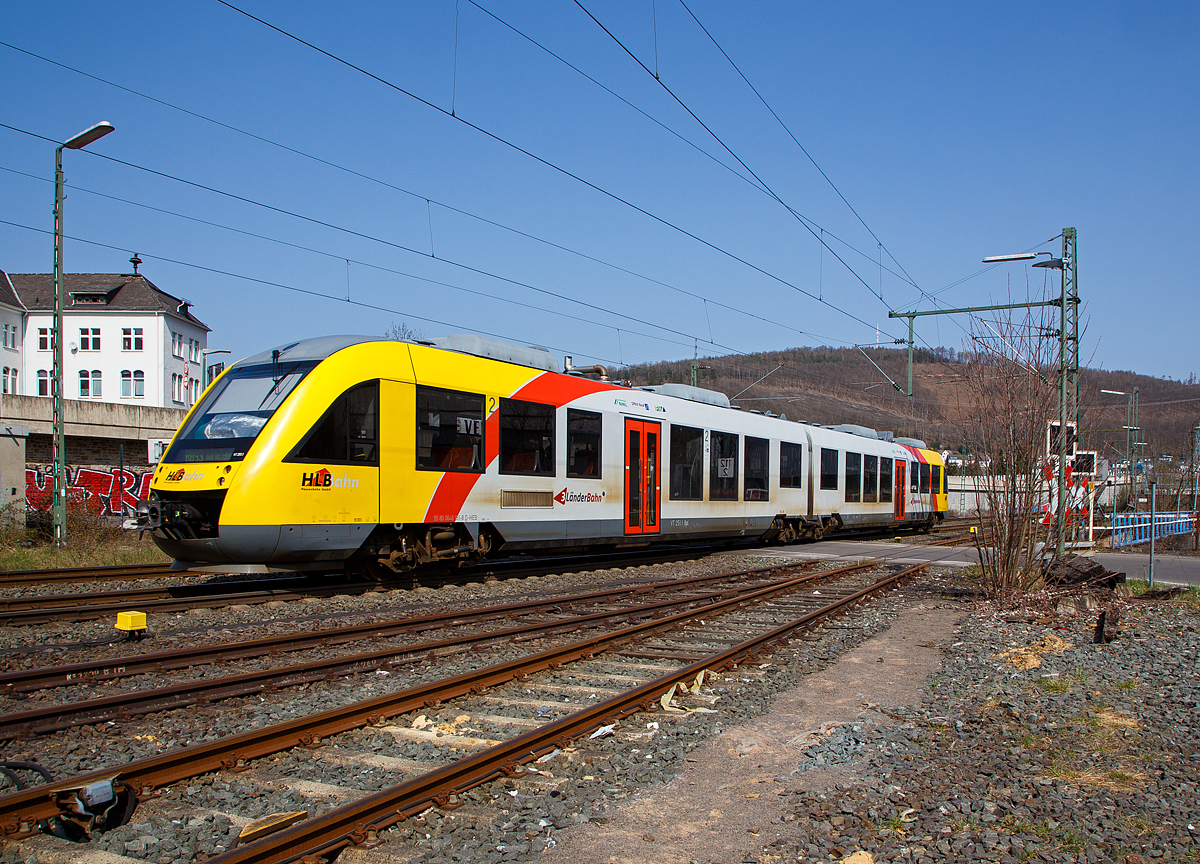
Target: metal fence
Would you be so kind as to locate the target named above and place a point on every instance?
(1131, 528)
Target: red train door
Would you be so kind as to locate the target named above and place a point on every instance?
(901, 488)
(642, 450)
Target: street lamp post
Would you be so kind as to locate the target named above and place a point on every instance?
(204, 352)
(59, 504)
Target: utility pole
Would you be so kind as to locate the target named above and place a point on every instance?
(1068, 364)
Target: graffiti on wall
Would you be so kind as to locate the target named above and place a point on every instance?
(98, 490)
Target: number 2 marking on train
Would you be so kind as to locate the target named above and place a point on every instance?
(491, 404)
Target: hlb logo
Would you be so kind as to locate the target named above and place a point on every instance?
(182, 474)
(324, 479)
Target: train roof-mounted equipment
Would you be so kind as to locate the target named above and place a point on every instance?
(533, 356)
(692, 394)
(912, 442)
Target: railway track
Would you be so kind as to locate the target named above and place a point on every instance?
(78, 606)
(60, 575)
(721, 628)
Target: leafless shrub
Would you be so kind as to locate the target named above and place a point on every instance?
(1010, 386)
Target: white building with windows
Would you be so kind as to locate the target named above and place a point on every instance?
(124, 339)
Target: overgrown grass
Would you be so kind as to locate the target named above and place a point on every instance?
(91, 541)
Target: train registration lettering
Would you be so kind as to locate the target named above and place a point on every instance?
(469, 426)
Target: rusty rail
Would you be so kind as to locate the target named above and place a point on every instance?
(22, 810)
(123, 706)
(324, 836)
(28, 680)
(116, 572)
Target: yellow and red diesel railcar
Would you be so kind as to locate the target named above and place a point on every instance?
(385, 454)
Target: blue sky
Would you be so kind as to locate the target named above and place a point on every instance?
(955, 131)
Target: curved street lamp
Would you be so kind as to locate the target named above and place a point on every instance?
(59, 505)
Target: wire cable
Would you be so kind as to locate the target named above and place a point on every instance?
(293, 288)
(393, 244)
(803, 150)
(495, 137)
(820, 239)
(427, 199)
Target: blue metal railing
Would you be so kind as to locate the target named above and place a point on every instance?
(1132, 528)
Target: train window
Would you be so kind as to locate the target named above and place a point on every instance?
(347, 433)
(526, 438)
(885, 479)
(226, 422)
(757, 469)
(583, 443)
(687, 463)
(938, 488)
(853, 476)
(449, 430)
(924, 478)
(870, 478)
(829, 468)
(914, 478)
(723, 467)
(791, 467)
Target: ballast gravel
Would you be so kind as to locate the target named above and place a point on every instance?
(1090, 756)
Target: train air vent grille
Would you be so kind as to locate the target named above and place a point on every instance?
(526, 498)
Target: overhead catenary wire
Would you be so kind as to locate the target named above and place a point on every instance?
(730, 168)
(383, 241)
(547, 163)
(296, 289)
(796, 140)
(339, 257)
(443, 204)
(819, 238)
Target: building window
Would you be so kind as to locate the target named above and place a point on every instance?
(131, 339)
(89, 339)
(870, 478)
(126, 383)
(829, 468)
(139, 383)
(85, 383)
(43, 338)
(853, 476)
(7, 327)
(723, 468)
(449, 430)
(756, 471)
(95, 382)
(583, 443)
(687, 463)
(12, 384)
(4, 379)
(43, 382)
(791, 464)
(885, 480)
(195, 350)
(176, 344)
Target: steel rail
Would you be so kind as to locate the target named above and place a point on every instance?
(124, 706)
(59, 607)
(323, 837)
(115, 572)
(28, 680)
(22, 810)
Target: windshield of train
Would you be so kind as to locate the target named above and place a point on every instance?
(225, 424)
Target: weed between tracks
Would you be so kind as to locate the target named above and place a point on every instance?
(92, 541)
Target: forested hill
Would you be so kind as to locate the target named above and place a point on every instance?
(841, 385)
